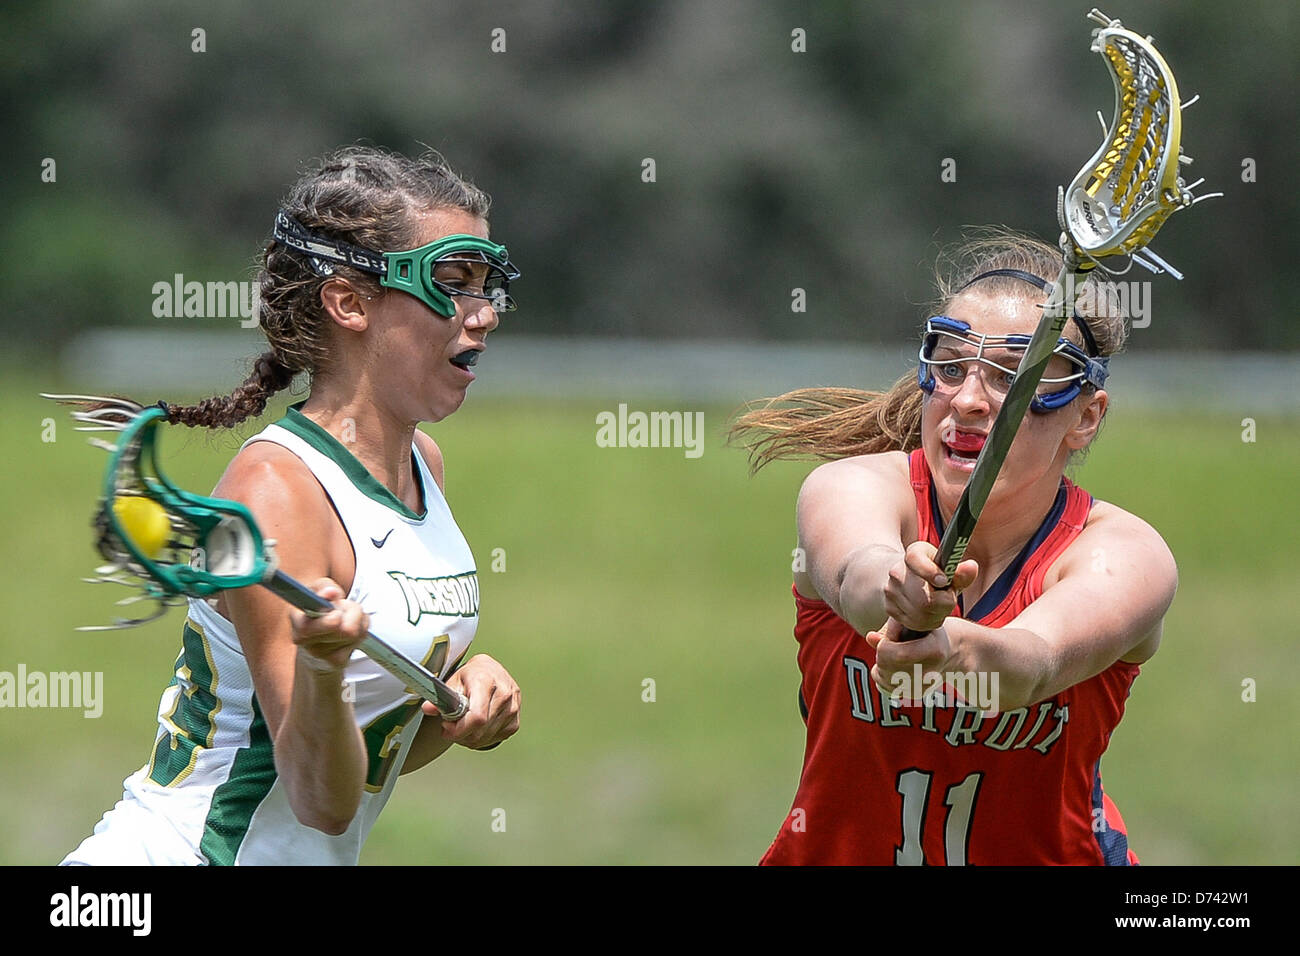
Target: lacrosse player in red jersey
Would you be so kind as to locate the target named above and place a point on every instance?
(980, 742)
(277, 743)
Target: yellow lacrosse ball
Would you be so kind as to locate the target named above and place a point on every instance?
(144, 521)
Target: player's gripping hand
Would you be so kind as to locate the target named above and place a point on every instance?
(494, 698)
(894, 671)
(326, 642)
(918, 595)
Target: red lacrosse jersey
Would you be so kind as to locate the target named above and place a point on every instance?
(941, 783)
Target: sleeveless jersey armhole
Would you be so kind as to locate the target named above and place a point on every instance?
(334, 508)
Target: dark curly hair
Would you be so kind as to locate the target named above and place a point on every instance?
(361, 195)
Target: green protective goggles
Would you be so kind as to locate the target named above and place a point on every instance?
(457, 265)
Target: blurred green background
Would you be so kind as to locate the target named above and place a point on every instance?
(775, 170)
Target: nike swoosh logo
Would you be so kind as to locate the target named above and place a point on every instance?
(380, 542)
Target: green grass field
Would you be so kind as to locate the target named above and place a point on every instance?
(624, 565)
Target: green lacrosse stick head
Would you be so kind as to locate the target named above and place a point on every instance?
(179, 543)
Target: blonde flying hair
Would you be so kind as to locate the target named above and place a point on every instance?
(838, 422)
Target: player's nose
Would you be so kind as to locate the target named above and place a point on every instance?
(481, 315)
(973, 396)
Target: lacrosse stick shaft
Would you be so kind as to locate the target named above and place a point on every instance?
(451, 704)
(956, 537)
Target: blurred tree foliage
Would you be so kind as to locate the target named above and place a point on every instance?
(775, 169)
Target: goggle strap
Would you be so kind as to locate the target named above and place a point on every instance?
(321, 252)
(1097, 372)
(1054, 400)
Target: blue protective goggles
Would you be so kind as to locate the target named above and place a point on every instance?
(436, 273)
(949, 347)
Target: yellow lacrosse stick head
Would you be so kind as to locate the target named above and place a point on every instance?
(1124, 193)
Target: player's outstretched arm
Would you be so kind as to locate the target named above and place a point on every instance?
(297, 663)
(853, 516)
(1104, 600)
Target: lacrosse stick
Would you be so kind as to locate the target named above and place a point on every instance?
(176, 545)
(1115, 205)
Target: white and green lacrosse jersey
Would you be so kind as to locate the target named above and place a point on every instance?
(210, 793)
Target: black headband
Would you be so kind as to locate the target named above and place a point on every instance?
(1089, 343)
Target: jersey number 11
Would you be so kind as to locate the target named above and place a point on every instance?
(914, 787)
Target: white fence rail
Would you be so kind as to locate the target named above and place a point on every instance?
(142, 362)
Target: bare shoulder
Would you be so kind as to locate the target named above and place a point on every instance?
(432, 455)
(862, 475)
(1120, 568)
(1115, 537)
(266, 477)
(847, 508)
(289, 506)
(292, 509)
